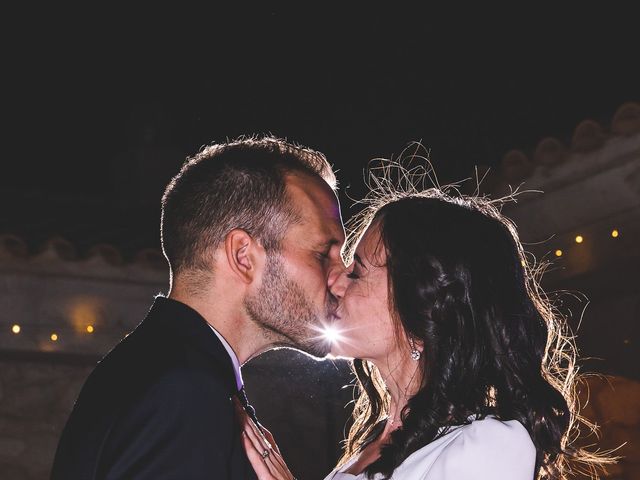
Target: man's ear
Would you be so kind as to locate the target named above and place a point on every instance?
(244, 254)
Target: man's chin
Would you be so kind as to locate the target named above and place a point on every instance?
(318, 352)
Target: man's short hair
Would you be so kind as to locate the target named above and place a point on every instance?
(237, 184)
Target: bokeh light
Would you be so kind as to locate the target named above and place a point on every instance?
(84, 312)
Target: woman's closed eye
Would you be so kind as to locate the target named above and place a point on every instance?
(355, 269)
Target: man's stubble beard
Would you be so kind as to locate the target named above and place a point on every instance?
(283, 311)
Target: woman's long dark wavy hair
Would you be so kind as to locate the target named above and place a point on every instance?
(459, 282)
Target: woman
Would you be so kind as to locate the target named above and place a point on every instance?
(464, 369)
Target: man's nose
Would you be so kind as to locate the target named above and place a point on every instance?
(338, 280)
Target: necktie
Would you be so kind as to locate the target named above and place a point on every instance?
(242, 396)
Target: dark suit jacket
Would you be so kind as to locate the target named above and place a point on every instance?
(158, 406)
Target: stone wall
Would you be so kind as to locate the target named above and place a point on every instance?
(36, 397)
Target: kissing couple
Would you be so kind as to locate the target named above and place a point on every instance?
(464, 369)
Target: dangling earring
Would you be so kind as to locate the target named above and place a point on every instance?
(415, 353)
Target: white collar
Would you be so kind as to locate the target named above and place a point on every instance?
(233, 356)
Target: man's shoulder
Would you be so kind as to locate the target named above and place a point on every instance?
(144, 362)
(135, 356)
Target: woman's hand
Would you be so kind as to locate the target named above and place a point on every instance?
(262, 451)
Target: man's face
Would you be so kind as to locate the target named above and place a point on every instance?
(294, 301)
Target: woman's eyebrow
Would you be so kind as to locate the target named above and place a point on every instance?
(358, 260)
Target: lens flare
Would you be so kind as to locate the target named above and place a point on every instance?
(331, 334)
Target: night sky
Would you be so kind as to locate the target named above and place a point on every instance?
(102, 106)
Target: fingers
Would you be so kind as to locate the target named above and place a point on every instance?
(256, 437)
(252, 443)
(261, 456)
(258, 464)
(255, 451)
(269, 437)
(257, 430)
(265, 460)
(262, 451)
(247, 422)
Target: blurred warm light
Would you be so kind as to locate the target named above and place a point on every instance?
(558, 253)
(54, 337)
(579, 239)
(523, 263)
(615, 233)
(15, 329)
(89, 328)
(85, 312)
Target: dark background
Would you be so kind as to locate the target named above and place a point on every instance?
(102, 105)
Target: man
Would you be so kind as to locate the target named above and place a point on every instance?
(252, 232)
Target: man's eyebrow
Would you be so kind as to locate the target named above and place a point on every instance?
(328, 244)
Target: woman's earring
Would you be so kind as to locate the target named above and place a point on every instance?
(415, 353)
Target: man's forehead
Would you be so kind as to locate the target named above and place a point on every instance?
(320, 223)
(314, 199)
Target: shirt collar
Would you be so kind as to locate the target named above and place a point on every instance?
(232, 356)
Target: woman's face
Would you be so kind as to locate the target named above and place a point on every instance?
(365, 325)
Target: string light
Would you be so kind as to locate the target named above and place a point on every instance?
(330, 334)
